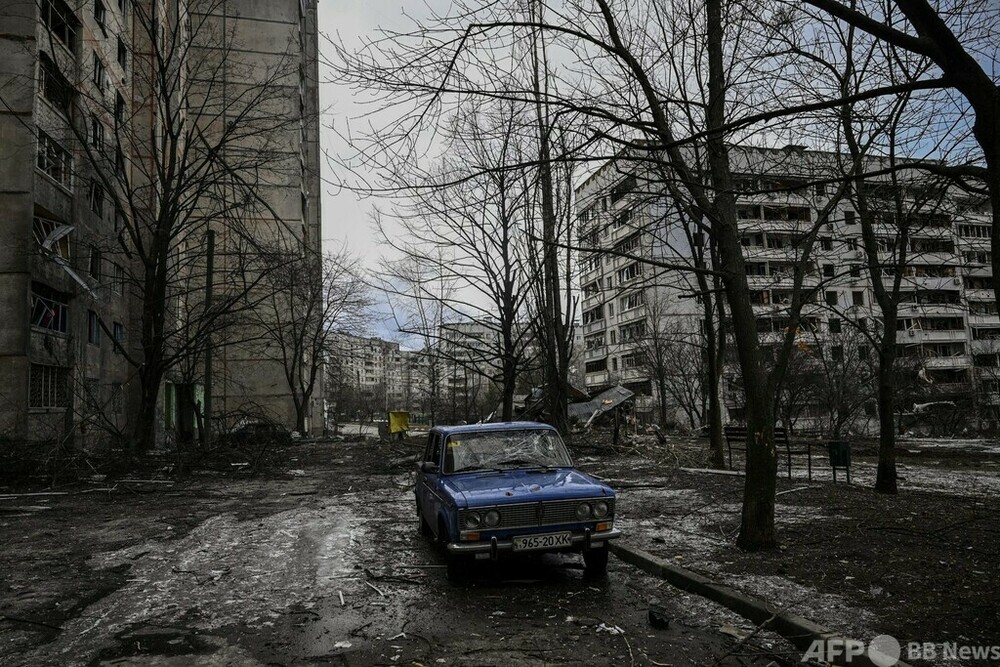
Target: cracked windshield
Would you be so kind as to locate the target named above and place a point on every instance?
(511, 449)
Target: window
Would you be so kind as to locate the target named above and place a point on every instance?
(43, 227)
(594, 341)
(596, 366)
(633, 331)
(122, 53)
(828, 270)
(119, 331)
(855, 270)
(119, 108)
(837, 352)
(821, 189)
(55, 87)
(593, 315)
(826, 244)
(633, 300)
(48, 386)
(97, 134)
(614, 363)
(54, 160)
(94, 268)
(96, 197)
(60, 21)
(834, 325)
(631, 271)
(122, 6)
(93, 328)
(858, 298)
(49, 309)
(622, 219)
(100, 73)
(628, 244)
(117, 278)
(831, 298)
(623, 187)
(101, 16)
(849, 217)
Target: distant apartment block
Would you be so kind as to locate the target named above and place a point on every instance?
(947, 322)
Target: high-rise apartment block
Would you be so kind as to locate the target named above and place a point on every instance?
(74, 80)
(947, 326)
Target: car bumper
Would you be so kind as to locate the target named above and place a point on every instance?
(585, 540)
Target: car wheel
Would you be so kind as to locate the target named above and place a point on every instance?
(425, 529)
(595, 562)
(458, 568)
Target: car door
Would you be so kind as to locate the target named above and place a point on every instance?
(428, 482)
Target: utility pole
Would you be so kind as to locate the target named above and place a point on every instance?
(210, 273)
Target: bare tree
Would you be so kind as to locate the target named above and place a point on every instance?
(465, 225)
(173, 162)
(307, 299)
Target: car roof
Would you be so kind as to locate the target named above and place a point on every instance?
(491, 427)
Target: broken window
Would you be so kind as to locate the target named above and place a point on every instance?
(49, 308)
(54, 160)
(41, 229)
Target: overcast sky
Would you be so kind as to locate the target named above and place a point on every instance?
(346, 218)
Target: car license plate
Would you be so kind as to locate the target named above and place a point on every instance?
(545, 541)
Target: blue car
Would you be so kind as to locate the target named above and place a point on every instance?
(488, 490)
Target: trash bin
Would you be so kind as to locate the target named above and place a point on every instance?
(840, 457)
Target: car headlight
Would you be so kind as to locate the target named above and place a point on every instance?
(583, 511)
(600, 509)
(472, 520)
(492, 518)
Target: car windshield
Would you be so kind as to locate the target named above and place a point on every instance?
(502, 450)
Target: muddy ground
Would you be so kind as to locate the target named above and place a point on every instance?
(317, 561)
(920, 566)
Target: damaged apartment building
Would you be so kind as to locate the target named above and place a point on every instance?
(71, 86)
(948, 329)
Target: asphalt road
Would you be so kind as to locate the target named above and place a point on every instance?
(322, 565)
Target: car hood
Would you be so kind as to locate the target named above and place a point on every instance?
(518, 486)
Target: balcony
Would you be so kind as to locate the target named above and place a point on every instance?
(932, 258)
(594, 327)
(925, 283)
(979, 320)
(914, 336)
(958, 361)
(931, 309)
(984, 346)
(979, 294)
(978, 271)
(757, 225)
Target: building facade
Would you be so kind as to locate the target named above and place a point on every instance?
(948, 328)
(66, 310)
(73, 86)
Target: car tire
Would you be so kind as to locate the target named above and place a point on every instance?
(425, 529)
(595, 562)
(458, 568)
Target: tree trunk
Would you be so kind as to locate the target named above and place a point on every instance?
(715, 342)
(885, 479)
(757, 525)
(144, 435)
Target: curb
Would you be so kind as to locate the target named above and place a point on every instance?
(801, 632)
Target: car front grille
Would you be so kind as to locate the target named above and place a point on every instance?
(532, 515)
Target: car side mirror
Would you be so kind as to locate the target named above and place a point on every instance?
(429, 467)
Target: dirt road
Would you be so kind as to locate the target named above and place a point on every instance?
(320, 564)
